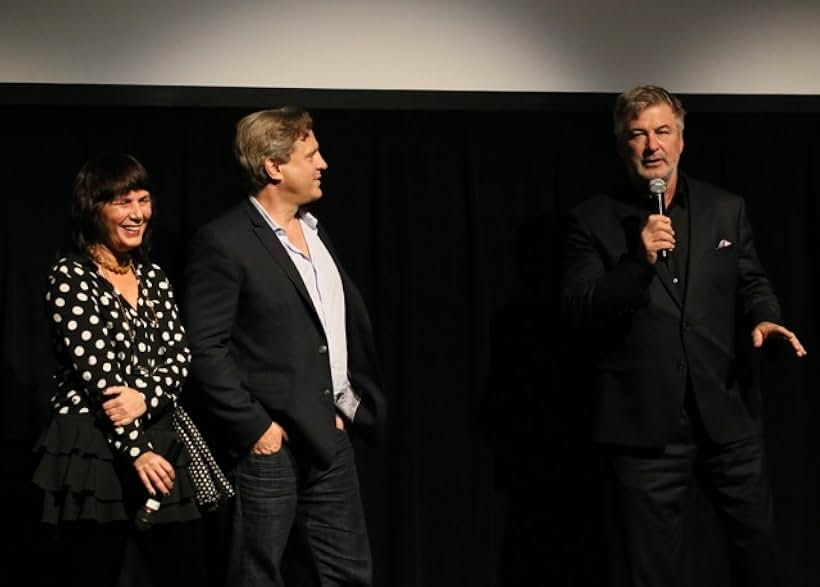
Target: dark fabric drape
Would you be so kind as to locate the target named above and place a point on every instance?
(448, 222)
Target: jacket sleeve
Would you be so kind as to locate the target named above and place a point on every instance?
(593, 289)
(757, 299)
(213, 285)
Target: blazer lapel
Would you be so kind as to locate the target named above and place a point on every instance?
(700, 229)
(631, 213)
(271, 243)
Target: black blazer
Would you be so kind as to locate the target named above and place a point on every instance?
(259, 349)
(643, 339)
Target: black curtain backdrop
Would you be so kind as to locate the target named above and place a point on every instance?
(445, 210)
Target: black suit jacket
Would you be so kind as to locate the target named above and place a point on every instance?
(644, 339)
(259, 349)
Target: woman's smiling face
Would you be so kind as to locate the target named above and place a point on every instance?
(124, 219)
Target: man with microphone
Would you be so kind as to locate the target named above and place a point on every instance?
(663, 285)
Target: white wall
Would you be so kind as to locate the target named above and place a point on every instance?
(695, 46)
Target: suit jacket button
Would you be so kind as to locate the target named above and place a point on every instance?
(323, 349)
(326, 392)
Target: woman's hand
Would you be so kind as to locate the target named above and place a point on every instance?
(156, 474)
(125, 406)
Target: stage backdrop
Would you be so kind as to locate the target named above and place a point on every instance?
(444, 208)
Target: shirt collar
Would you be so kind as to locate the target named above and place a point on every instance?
(681, 193)
(309, 219)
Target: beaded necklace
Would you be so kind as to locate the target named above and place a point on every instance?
(115, 267)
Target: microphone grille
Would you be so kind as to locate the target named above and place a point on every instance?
(657, 186)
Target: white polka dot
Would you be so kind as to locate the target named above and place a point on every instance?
(72, 325)
(82, 297)
(92, 360)
(57, 318)
(134, 451)
(100, 344)
(64, 288)
(102, 384)
(85, 335)
(79, 351)
(59, 302)
(86, 375)
(133, 435)
(154, 402)
(106, 367)
(77, 311)
(94, 319)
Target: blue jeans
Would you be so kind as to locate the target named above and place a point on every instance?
(274, 495)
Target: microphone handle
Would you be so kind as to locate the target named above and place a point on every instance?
(661, 211)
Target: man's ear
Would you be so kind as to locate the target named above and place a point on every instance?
(272, 170)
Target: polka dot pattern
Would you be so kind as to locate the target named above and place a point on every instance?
(101, 341)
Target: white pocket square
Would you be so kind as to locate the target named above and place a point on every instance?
(723, 244)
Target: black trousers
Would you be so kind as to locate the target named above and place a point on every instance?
(648, 490)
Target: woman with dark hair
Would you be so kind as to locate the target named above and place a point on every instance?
(111, 446)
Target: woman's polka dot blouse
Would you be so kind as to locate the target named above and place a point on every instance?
(101, 341)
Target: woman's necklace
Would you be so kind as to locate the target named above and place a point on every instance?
(114, 267)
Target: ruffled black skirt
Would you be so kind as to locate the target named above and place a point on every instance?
(83, 480)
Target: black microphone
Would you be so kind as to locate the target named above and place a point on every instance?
(144, 518)
(657, 187)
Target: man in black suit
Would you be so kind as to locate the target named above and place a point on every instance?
(284, 361)
(665, 303)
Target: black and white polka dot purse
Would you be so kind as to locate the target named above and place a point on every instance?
(212, 487)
